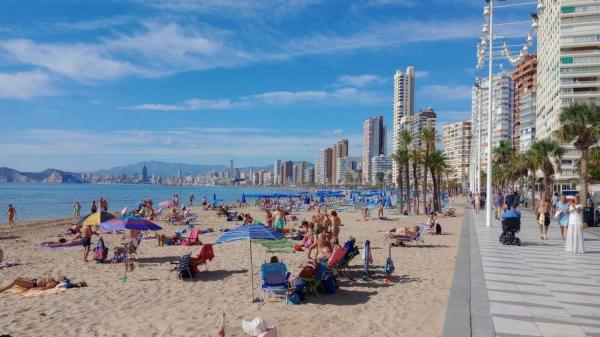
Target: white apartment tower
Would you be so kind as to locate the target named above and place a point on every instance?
(568, 66)
(404, 106)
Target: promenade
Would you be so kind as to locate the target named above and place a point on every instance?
(536, 289)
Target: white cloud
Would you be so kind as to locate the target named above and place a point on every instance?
(421, 73)
(447, 92)
(342, 96)
(24, 85)
(358, 80)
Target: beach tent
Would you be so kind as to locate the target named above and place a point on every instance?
(129, 222)
(250, 232)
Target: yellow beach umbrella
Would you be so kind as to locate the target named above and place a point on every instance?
(95, 219)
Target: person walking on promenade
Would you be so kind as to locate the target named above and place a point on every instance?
(574, 243)
(516, 200)
(477, 203)
(11, 212)
(562, 215)
(510, 197)
(543, 217)
(499, 204)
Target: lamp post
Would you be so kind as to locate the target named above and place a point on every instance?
(488, 196)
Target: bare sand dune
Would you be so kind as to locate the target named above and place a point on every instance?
(153, 302)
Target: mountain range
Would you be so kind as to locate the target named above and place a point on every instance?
(8, 175)
(157, 168)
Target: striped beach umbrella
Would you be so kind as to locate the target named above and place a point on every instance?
(250, 232)
(94, 219)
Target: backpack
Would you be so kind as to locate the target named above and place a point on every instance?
(438, 228)
(100, 251)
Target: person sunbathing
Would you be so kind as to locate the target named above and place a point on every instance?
(39, 283)
(75, 229)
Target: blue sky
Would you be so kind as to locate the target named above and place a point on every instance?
(93, 84)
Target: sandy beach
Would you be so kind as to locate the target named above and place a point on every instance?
(154, 302)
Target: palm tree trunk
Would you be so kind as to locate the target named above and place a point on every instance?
(533, 190)
(424, 188)
(416, 187)
(407, 178)
(583, 177)
(400, 186)
(435, 187)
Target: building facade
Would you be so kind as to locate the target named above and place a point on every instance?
(374, 143)
(568, 67)
(339, 150)
(346, 167)
(524, 79)
(403, 106)
(323, 169)
(456, 138)
(527, 123)
(381, 164)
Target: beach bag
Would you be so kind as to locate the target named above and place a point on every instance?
(308, 272)
(293, 298)
(329, 286)
(100, 251)
(541, 218)
(438, 228)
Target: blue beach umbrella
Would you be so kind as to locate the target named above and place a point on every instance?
(249, 232)
(321, 198)
(131, 223)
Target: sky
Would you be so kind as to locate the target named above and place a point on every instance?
(86, 85)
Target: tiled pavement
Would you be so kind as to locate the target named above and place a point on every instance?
(538, 289)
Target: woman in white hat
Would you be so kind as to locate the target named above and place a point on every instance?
(574, 242)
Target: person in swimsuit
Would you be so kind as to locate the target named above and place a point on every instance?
(12, 214)
(337, 222)
(279, 219)
(86, 240)
(543, 216)
(269, 218)
(41, 283)
(323, 247)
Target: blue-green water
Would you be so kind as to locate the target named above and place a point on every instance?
(41, 201)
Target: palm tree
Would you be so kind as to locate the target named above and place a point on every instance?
(533, 164)
(406, 139)
(416, 157)
(401, 159)
(503, 152)
(428, 138)
(379, 179)
(581, 124)
(547, 152)
(437, 165)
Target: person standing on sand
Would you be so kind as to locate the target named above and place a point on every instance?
(280, 220)
(12, 215)
(191, 199)
(269, 218)
(86, 240)
(94, 207)
(77, 209)
(337, 222)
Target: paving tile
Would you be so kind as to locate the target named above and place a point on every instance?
(512, 326)
(560, 330)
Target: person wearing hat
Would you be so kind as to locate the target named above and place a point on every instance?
(574, 243)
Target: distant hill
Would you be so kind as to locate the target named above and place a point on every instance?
(52, 176)
(165, 169)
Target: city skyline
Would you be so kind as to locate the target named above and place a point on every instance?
(142, 81)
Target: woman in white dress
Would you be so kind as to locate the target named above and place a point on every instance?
(574, 242)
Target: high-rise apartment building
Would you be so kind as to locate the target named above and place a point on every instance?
(346, 167)
(288, 172)
(527, 125)
(457, 147)
(381, 164)
(568, 67)
(324, 169)
(524, 79)
(299, 172)
(276, 172)
(374, 143)
(502, 109)
(403, 105)
(339, 150)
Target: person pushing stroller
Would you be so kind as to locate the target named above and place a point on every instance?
(511, 224)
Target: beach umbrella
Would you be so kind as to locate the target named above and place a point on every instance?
(250, 232)
(322, 198)
(243, 199)
(131, 223)
(167, 204)
(94, 219)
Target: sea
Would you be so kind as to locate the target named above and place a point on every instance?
(42, 201)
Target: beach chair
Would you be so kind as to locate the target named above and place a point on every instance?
(192, 239)
(205, 254)
(313, 283)
(274, 279)
(183, 267)
(421, 235)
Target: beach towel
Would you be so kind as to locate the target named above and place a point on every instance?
(278, 246)
(54, 244)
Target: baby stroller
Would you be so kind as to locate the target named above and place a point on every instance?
(510, 226)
